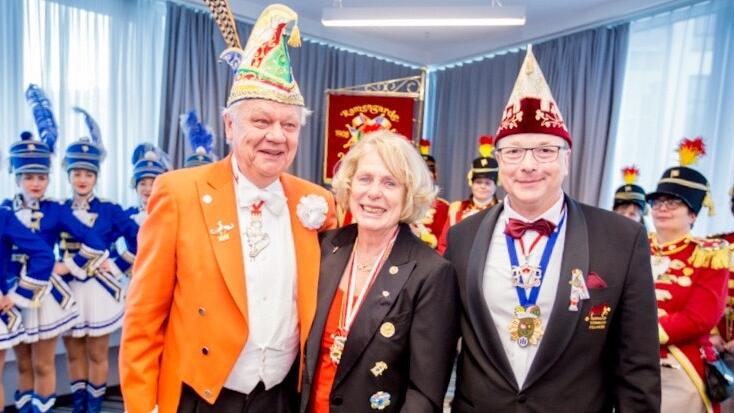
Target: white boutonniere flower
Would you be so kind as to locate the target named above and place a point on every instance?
(312, 211)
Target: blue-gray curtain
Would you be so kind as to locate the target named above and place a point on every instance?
(194, 79)
(584, 71)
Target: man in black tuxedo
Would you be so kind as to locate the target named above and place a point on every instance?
(559, 311)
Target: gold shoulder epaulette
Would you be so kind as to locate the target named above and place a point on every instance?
(710, 253)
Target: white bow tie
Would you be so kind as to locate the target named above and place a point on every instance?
(274, 202)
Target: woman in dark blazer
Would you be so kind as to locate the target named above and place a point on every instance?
(391, 347)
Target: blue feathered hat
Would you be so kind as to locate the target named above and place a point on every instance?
(29, 155)
(87, 152)
(149, 161)
(200, 139)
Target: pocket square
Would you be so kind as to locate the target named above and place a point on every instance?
(595, 282)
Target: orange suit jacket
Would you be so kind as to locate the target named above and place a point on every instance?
(186, 311)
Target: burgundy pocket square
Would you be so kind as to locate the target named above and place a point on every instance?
(595, 282)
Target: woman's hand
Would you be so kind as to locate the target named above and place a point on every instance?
(60, 268)
(6, 303)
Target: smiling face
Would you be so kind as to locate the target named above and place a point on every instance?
(671, 216)
(482, 189)
(144, 188)
(264, 138)
(32, 185)
(533, 187)
(376, 197)
(82, 181)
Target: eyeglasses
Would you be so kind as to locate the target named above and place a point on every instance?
(542, 154)
(669, 203)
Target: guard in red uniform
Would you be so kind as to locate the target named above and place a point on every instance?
(429, 229)
(629, 199)
(724, 339)
(482, 179)
(690, 282)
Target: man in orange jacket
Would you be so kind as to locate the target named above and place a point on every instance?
(224, 286)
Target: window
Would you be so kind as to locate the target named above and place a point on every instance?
(678, 83)
(104, 56)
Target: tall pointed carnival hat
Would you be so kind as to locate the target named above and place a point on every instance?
(531, 108)
(263, 69)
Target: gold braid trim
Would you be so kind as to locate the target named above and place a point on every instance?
(225, 20)
(693, 375)
(711, 257)
(629, 196)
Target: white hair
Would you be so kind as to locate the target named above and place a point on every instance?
(231, 109)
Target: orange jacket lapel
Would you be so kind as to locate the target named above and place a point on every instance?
(219, 204)
(306, 245)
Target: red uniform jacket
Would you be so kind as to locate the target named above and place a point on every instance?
(726, 329)
(690, 287)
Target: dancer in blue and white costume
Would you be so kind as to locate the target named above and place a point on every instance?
(98, 293)
(201, 141)
(54, 310)
(16, 239)
(148, 162)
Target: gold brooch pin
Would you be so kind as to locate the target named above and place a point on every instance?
(387, 329)
(221, 231)
(378, 368)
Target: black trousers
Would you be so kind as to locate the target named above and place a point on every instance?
(282, 398)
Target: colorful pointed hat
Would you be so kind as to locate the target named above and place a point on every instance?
(485, 166)
(531, 108)
(630, 192)
(29, 155)
(148, 161)
(684, 183)
(200, 139)
(263, 69)
(86, 152)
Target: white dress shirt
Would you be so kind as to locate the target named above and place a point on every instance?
(270, 279)
(501, 296)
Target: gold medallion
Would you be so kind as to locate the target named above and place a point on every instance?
(526, 328)
(387, 329)
(336, 349)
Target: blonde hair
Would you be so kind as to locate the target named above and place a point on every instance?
(403, 162)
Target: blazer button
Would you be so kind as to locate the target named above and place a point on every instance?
(522, 397)
(337, 401)
(205, 350)
(202, 311)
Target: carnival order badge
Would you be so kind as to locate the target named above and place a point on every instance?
(579, 290)
(311, 210)
(598, 316)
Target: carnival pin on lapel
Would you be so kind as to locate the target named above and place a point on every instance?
(221, 231)
(378, 368)
(597, 317)
(579, 291)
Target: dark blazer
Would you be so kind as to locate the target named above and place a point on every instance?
(577, 368)
(422, 304)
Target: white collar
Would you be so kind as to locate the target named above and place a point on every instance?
(552, 214)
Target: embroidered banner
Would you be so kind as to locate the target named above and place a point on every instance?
(351, 115)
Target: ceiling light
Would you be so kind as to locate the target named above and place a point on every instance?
(422, 16)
